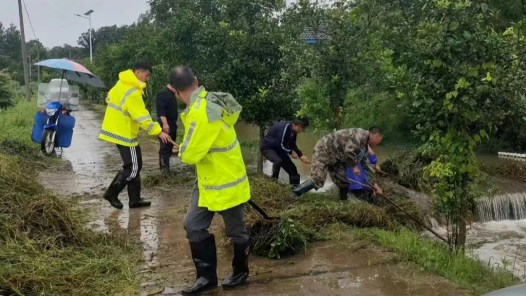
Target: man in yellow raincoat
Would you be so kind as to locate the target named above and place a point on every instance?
(210, 142)
(124, 115)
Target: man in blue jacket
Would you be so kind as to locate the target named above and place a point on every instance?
(279, 145)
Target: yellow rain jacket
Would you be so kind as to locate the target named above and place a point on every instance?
(210, 142)
(126, 112)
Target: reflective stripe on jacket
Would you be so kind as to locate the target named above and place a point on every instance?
(126, 112)
(210, 142)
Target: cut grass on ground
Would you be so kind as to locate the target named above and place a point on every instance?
(470, 274)
(45, 247)
(311, 218)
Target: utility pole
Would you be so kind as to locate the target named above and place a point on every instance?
(29, 57)
(90, 46)
(24, 52)
(38, 59)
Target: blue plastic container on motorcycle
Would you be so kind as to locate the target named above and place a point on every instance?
(53, 128)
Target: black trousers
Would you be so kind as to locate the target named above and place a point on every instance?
(165, 149)
(282, 160)
(132, 158)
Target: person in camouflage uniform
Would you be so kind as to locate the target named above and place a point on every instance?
(336, 151)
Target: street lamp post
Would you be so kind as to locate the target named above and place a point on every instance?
(87, 15)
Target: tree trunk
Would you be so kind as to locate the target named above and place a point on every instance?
(260, 156)
(462, 226)
(337, 116)
(464, 216)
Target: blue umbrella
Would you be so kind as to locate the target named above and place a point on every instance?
(72, 71)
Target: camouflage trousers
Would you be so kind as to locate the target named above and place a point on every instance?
(320, 168)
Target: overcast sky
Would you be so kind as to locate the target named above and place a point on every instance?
(55, 23)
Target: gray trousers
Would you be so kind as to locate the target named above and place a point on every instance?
(198, 220)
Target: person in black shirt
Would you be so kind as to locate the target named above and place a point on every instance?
(167, 113)
(279, 145)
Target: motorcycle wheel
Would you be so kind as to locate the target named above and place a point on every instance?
(47, 145)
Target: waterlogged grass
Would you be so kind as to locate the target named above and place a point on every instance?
(45, 247)
(311, 218)
(470, 274)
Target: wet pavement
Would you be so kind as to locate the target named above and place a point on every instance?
(343, 267)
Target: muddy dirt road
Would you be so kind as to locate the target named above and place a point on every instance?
(343, 267)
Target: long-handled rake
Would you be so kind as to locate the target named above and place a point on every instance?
(368, 185)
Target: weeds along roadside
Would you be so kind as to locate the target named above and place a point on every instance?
(474, 276)
(45, 247)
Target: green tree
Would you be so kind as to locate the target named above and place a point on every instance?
(11, 52)
(347, 56)
(457, 87)
(6, 91)
(102, 36)
(232, 46)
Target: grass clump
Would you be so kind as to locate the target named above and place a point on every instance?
(310, 218)
(275, 239)
(471, 274)
(407, 169)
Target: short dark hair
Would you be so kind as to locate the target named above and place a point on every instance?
(375, 130)
(181, 78)
(142, 65)
(301, 121)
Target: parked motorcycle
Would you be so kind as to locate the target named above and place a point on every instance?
(53, 128)
(53, 122)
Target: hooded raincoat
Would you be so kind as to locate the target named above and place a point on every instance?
(210, 142)
(126, 112)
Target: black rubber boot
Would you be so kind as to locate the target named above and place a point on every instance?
(205, 260)
(303, 188)
(134, 193)
(239, 265)
(344, 192)
(275, 172)
(113, 191)
(294, 180)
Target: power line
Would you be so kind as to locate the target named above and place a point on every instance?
(38, 41)
(29, 18)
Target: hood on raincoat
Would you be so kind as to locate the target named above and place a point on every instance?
(220, 106)
(127, 77)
